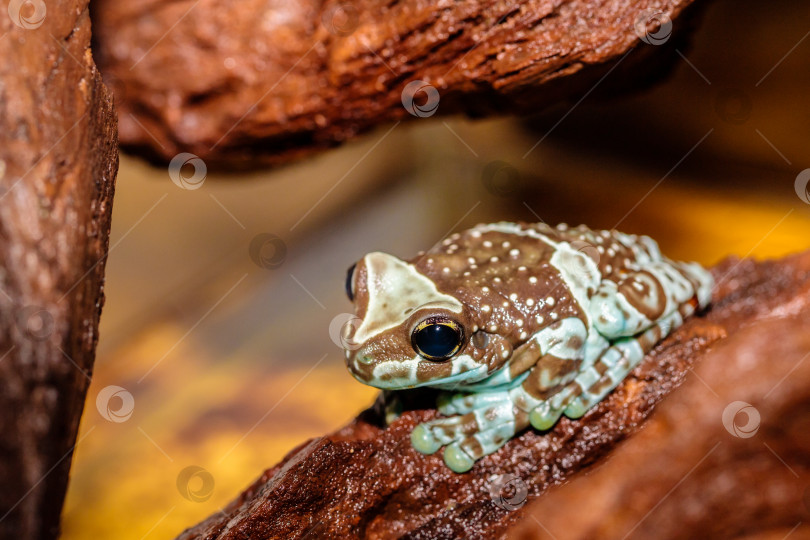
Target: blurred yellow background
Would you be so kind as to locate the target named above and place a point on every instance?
(231, 365)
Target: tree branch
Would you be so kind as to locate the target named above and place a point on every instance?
(272, 81)
(58, 160)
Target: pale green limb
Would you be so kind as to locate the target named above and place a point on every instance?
(461, 456)
(428, 437)
(594, 383)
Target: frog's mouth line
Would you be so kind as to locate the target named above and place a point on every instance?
(472, 371)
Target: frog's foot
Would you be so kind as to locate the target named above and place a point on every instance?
(545, 414)
(460, 456)
(470, 436)
(614, 365)
(465, 402)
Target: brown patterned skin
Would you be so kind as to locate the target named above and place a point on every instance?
(508, 287)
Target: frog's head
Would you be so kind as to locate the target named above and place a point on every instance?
(410, 333)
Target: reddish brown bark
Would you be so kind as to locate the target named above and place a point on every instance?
(58, 160)
(239, 83)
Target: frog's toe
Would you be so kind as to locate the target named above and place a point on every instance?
(457, 459)
(423, 440)
(577, 408)
(461, 403)
(428, 437)
(583, 403)
(544, 416)
(461, 456)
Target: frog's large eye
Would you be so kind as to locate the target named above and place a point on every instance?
(350, 282)
(437, 338)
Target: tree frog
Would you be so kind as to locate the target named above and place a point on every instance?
(516, 323)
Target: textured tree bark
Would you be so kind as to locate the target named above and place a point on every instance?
(725, 457)
(266, 81)
(58, 160)
(692, 472)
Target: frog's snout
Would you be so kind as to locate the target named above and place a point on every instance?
(363, 357)
(361, 362)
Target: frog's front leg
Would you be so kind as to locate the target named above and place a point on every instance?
(485, 420)
(470, 436)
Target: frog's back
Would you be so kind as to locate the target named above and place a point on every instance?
(504, 273)
(616, 254)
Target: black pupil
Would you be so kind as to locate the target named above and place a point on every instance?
(349, 287)
(437, 341)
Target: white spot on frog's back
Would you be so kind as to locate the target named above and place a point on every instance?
(578, 271)
(395, 290)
